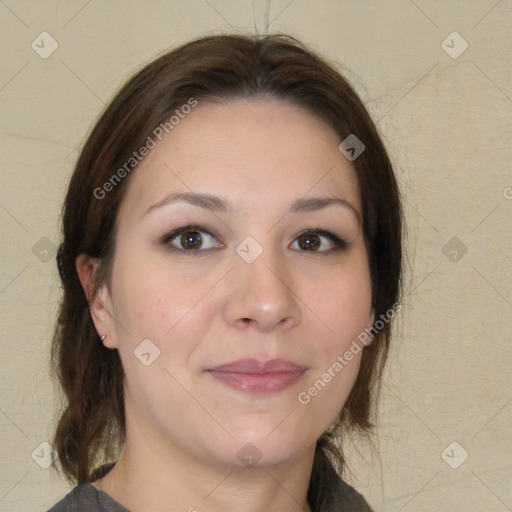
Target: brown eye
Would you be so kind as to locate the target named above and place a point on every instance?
(191, 240)
(309, 242)
(319, 241)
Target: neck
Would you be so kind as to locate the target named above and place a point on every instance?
(151, 475)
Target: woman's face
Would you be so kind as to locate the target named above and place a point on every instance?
(239, 238)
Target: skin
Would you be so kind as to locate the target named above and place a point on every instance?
(210, 307)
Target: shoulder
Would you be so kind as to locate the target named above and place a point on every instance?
(334, 494)
(81, 497)
(350, 498)
(86, 498)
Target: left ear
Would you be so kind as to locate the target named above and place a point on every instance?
(371, 321)
(371, 318)
(100, 305)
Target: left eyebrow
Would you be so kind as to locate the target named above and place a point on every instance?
(310, 204)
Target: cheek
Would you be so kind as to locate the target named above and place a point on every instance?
(151, 298)
(174, 311)
(343, 302)
(153, 303)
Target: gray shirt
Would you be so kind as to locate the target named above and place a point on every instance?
(86, 498)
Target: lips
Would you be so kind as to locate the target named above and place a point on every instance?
(255, 366)
(253, 376)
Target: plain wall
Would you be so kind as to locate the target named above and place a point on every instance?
(446, 119)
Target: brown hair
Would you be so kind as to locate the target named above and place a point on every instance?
(91, 428)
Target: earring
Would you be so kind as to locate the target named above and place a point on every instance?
(104, 336)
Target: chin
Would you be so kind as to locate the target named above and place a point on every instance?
(268, 447)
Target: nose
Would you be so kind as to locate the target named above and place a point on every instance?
(260, 295)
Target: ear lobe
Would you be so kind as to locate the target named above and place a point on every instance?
(99, 304)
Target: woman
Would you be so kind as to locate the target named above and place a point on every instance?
(231, 262)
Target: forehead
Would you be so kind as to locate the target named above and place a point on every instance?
(245, 150)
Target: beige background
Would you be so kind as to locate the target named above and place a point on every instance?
(448, 124)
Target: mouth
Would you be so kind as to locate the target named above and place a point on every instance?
(259, 377)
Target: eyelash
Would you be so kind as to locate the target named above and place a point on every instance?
(339, 243)
(166, 240)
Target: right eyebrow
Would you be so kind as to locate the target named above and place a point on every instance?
(207, 201)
